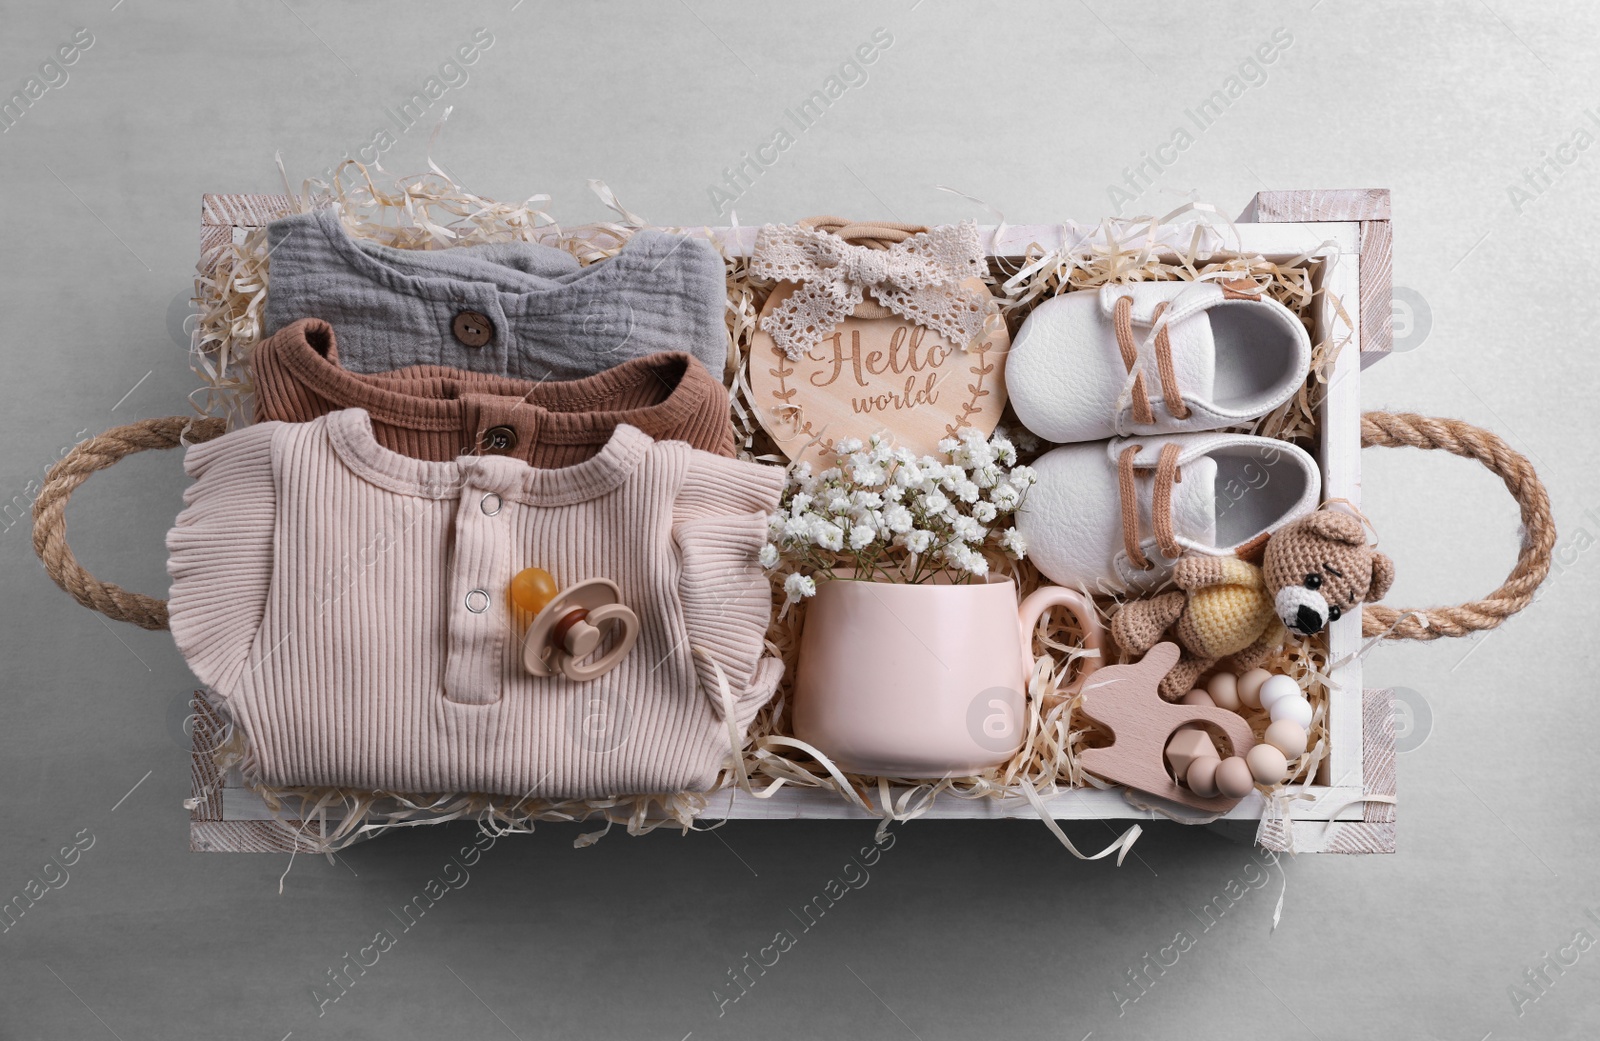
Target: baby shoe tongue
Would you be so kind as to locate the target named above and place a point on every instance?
(1194, 356)
(1194, 501)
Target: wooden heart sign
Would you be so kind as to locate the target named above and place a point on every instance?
(877, 374)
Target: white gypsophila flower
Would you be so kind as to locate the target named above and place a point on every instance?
(1014, 545)
(969, 530)
(776, 525)
(904, 456)
(828, 535)
(975, 451)
(869, 474)
(966, 491)
(948, 445)
(838, 502)
(985, 511)
(870, 518)
(847, 445)
(1023, 477)
(955, 554)
(832, 475)
(977, 564)
(1005, 453)
(800, 504)
(917, 541)
(798, 529)
(882, 451)
(1004, 496)
(768, 556)
(797, 587)
(986, 476)
(950, 513)
(863, 499)
(897, 518)
(894, 493)
(932, 503)
(862, 535)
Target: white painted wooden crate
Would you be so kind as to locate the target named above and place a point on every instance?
(1348, 230)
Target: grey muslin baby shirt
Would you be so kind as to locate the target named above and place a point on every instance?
(510, 309)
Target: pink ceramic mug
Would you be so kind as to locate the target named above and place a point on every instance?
(922, 680)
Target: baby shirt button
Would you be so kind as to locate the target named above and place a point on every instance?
(490, 504)
(477, 601)
(472, 328)
(499, 439)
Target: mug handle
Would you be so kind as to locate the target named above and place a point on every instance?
(1041, 600)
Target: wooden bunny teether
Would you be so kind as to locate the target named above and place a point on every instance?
(1125, 699)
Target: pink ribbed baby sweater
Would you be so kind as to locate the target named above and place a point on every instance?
(350, 606)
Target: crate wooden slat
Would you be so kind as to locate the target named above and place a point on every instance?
(1348, 232)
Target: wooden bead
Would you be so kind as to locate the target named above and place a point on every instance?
(1233, 778)
(1287, 737)
(1296, 710)
(1224, 691)
(1202, 777)
(1250, 687)
(1267, 764)
(1197, 697)
(1187, 745)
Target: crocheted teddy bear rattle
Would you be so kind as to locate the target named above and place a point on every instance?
(1314, 569)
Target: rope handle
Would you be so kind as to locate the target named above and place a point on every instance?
(1389, 429)
(50, 521)
(1407, 429)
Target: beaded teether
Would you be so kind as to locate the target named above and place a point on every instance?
(568, 625)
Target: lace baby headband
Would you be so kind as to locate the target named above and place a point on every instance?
(911, 271)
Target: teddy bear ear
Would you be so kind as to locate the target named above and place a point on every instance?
(1382, 576)
(1336, 526)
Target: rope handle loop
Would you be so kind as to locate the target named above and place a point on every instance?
(50, 520)
(1409, 430)
(1388, 429)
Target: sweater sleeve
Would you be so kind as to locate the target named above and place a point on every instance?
(722, 513)
(219, 553)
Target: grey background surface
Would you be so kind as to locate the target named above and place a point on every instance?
(965, 929)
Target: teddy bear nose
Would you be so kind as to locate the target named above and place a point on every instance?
(1307, 620)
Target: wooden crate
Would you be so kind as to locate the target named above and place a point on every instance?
(1348, 810)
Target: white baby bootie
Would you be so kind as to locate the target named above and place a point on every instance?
(1112, 516)
(1220, 354)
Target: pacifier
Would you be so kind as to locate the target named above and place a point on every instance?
(570, 624)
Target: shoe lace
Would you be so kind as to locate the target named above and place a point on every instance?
(1167, 475)
(1122, 324)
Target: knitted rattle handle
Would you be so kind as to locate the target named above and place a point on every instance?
(1406, 429)
(50, 520)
